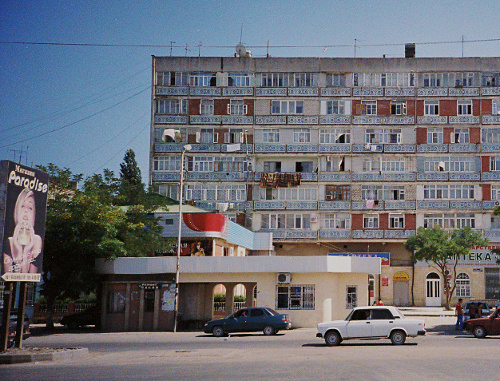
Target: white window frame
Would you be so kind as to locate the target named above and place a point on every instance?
(237, 107)
(335, 221)
(431, 108)
(398, 108)
(434, 135)
(490, 135)
(302, 135)
(241, 80)
(287, 107)
(271, 135)
(463, 286)
(335, 80)
(201, 79)
(464, 107)
(171, 106)
(332, 136)
(207, 107)
(371, 221)
(460, 136)
(166, 163)
(351, 298)
(396, 221)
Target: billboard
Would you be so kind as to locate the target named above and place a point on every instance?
(23, 202)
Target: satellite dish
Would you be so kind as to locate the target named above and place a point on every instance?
(240, 50)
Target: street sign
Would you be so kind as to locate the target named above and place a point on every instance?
(21, 277)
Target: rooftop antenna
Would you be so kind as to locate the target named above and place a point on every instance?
(241, 32)
(199, 49)
(171, 45)
(462, 45)
(355, 41)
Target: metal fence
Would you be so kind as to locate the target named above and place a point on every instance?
(221, 306)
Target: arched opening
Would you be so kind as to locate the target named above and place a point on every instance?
(433, 290)
(462, 289)
(219, 300)
(239, 297)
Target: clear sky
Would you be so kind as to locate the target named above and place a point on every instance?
(75, 76)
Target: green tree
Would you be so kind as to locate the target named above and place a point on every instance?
(442, 250)
(131, 186)
(85, 225)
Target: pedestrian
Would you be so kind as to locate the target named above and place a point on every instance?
(460, 315)
(479, 311)
(497, 306)
(380, 302)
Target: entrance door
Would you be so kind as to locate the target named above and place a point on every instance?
(433, 290)
(401, 294)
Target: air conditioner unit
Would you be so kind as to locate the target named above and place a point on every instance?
(283, 278)
(497, 203)
(314, 219)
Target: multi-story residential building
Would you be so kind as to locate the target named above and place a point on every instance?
(340, 156)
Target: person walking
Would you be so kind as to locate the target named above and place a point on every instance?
(460, 315)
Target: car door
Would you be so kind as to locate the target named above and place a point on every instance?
(360, 324)
(256, 320)
(237, 322)
(494, 328)
(382, 322)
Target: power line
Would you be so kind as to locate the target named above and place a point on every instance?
(77, 121)
(249, 46)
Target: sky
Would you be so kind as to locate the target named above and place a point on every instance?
(75, 76)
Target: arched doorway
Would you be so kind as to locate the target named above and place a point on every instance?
(219, 301)
(433, 290)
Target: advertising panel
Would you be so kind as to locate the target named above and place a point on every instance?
(25, 201)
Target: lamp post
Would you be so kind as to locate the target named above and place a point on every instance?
(173, 134)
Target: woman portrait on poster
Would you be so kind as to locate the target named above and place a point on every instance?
(25, 246)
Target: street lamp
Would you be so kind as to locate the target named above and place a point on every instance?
(176, 134)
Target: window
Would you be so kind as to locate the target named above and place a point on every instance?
(240, 80)
(394, 192)
(431, 107)
(464, 79)
(384, 79)
(171, 106)
(302, 135)
(304, 166)
(207, 107)
(367, 108)
(287, 107)
(305, 79)
(207, 136)
(172, 79)
(495, 192)
(432, 79)
(335, 136)
(462, 283)
(337, 192)
(495, 163)
(435, 136)
(396, 221)
(271, 135)
(380, 314)
(275, 79)
(216, 192)
(492, 283)
(272, 166)
(495, 107)
(234, 135)
(232, 164)
(370, 221)
(450, 164)
(449, 192)
(392, 165)
(335, 80)
(464, 107)
(491, 79)
(460, 135)
(335, 221)
(285, 221)
(200, 163)
(335, 107)
(167, 163)
(203, 79)
(450, 220)
(490, 135)
(302, 193)
(332, 164)
(116, 302)
(398, 108)
(383, 136)
(299, 297)
(289, 79)
(371, 192)
(236, 107)
(371, 165)
(149, 300)
(351, 297)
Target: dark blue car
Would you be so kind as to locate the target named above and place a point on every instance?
(249, 320)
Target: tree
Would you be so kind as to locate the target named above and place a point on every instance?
(131, 186)
(442, 250)
(85, 225)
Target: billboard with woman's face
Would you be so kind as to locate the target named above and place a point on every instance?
(24, 196)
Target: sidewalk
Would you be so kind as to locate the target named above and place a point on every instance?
(426, 311)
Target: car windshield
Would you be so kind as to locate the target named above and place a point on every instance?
(271, 312)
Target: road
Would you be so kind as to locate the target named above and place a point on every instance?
(443, 354)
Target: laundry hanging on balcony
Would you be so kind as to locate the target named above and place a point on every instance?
(279, 180)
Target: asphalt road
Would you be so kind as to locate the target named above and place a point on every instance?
(443, 354)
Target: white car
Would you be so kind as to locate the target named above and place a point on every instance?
(371, 322)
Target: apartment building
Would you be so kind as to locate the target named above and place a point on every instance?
(340, 157)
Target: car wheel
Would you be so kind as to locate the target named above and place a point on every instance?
(479, 331)
(269, 330)
(332, 338)
(73, 325)
(398, 337)
(218, 331)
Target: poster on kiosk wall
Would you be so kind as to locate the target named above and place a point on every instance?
(23, 201)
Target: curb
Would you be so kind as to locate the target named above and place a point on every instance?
(58, 354)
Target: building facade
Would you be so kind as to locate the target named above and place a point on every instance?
(340, 156)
